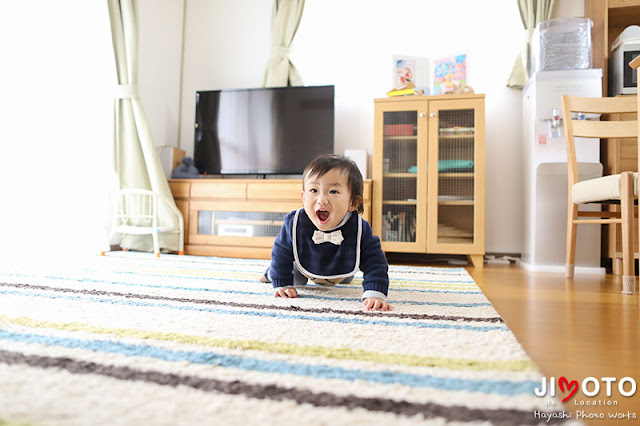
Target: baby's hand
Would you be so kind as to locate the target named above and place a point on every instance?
(376, 304)
(286, 292)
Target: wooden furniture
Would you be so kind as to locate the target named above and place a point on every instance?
(610, 18)
(610, 188)
(428, 175)
(170, 158)
(618, 156)
(238, 217)
(635, 64)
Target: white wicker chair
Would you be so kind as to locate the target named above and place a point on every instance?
(138, 215)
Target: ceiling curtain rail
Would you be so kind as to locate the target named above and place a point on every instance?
(136, 162)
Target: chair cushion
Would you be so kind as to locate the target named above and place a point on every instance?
(600, 189)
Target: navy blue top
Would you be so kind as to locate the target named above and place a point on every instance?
(360, 249)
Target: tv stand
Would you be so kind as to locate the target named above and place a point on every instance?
(238, 217)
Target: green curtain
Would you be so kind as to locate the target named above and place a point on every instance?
(285, 19)
(135, 159)
(532, 12)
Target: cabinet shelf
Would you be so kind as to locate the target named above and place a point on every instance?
(448, 175)
(456, 137)
(443, 170)
(451, 232)
(400, 202)
(456, 202)
(400, 175)
(454, 175)
(412, 138)
(249, 222)
(455, 240)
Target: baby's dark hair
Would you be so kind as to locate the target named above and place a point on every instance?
(323, 163)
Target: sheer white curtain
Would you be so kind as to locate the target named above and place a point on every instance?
(285, 19)
(135, 159)
(532, 12)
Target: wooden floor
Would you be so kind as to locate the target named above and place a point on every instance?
(578, 328)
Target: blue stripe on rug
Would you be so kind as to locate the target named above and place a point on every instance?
(501, 387)
(332, 318)
(394, 289)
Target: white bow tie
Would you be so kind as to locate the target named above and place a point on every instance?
(334, 237)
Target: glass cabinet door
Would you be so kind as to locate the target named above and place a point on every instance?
(235, 223)
(239, 223)
(401, 176)
(455, 162)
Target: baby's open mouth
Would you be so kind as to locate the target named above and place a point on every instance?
(323, 216)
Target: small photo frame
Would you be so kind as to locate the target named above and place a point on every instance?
(414, 69)
(450, 74)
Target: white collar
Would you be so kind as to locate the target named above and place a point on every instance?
(345, 219)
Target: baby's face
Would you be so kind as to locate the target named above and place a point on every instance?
(327, 199)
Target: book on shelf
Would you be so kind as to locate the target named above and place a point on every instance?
(455, 165)
(398, 227)
(455, 197)
(400, 129)
(457, 131)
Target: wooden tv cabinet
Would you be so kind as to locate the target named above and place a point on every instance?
(238, 217)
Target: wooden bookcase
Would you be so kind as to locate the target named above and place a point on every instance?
(428, 175)
(238, 217)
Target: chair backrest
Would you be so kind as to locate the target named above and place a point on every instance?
(137, 207)
(573, 111)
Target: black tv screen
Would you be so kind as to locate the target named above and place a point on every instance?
(262, 131)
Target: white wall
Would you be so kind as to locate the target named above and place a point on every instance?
(359, 64)
(58, 73)
(56, 80)
(226, 45)
(160, 25)
(349, 44)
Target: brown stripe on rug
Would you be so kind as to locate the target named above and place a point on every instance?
(428, 410)
(255, 306)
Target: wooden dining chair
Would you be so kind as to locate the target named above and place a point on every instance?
(610, 189)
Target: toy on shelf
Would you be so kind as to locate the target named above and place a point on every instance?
(407, 88)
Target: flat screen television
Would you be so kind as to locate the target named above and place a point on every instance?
(262, 131)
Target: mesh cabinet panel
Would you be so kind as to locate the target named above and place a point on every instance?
(456, 165)
(399, 176)
(240, 224)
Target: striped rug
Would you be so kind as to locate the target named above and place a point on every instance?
(129, 339)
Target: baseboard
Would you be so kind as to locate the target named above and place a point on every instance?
(560, 269)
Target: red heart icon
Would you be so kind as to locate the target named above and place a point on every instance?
(573, 385)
